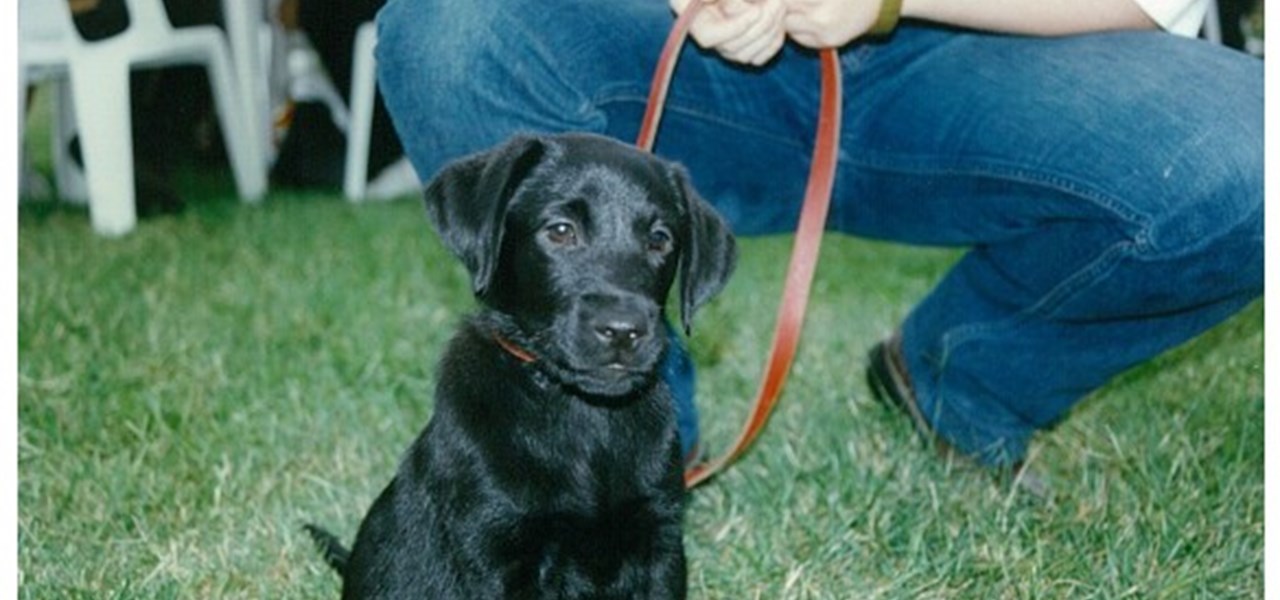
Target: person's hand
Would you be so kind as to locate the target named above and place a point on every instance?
(745, 31)
(829, 23)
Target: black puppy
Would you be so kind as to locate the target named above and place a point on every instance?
(551, 466)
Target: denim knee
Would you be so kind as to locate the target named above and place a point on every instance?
(459, 77)
(1212, 236)
(453, 44)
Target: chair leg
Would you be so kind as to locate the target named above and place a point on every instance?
(247, 164)
(100, 94)
(67, 175)
(1212, 28)
(24, 104)
(243, 23)
(359, 127)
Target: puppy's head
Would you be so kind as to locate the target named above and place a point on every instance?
(575, 241)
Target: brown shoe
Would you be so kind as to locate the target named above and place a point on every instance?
(890, 384)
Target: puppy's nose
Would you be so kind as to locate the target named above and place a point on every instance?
(621, 331)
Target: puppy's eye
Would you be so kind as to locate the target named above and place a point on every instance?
(562, 233)
(659, 240)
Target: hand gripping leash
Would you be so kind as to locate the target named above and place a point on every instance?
(804, 254)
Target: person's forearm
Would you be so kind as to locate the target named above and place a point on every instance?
(1033, 17)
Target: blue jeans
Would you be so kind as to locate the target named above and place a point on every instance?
(1109, 187)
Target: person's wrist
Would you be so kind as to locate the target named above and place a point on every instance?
(887, 20)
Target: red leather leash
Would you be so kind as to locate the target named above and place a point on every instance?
(804, 253)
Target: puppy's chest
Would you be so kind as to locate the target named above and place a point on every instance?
(596, 454)
(599, 491)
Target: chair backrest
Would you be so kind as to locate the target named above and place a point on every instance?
(44, 21)
(50, 21)
(148, 18)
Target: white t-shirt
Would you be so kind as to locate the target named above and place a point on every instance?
(1183, 17)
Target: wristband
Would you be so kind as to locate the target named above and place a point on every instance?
(890, 10)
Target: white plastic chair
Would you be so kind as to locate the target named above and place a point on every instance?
(360, 121)
(98, 72)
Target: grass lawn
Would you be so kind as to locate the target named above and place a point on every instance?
(193, 392)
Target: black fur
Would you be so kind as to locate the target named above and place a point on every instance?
(560, 477)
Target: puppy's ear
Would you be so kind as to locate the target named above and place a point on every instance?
(467, 202)
(708, 252)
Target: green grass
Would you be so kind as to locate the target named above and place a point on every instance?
(193, 392)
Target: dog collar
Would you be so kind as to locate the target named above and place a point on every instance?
(521, 354)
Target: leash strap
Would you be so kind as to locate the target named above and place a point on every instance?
(804, 252)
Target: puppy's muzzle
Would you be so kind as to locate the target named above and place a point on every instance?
(621, 330)
(620, 327)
